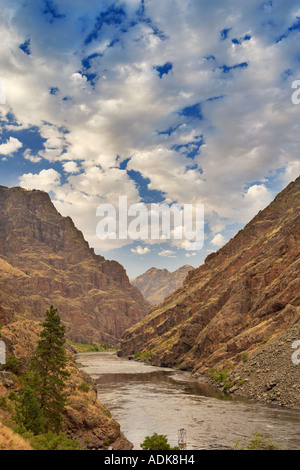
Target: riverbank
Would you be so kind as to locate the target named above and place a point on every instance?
(268, 375)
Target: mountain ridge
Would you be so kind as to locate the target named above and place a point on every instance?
(242, 298)
(157, 284)
(44, 259)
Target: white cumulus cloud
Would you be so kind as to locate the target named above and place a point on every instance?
(71, 167)
(46, 180)
(139, 250)
(10, 147)
(218, 240)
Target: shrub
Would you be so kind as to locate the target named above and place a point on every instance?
(156, 442)
(4, 404)
(13, 364)
(29, 414)
(244, 356)
(52, 441)
(13, 396)
(258, 442)
(221, 377)
(84, 387)
(143, 356)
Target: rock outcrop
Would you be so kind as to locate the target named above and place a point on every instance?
(157, 284)
(238, 302)
(89, 421)
(269, 374)
(45, 260)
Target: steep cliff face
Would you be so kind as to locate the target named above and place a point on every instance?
(239, 301)
(45, 260)
(157, 284)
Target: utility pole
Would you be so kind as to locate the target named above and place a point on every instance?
(182, 439)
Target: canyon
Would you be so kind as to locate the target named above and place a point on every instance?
(236, 317)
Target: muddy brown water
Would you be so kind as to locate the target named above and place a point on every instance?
(146, 399)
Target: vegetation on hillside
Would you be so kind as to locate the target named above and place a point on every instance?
(38, 407)
(95, 347)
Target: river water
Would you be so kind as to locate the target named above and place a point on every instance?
(146, 399)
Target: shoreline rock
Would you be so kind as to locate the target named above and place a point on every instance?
(268, 375)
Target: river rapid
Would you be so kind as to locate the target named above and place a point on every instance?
(145, 399)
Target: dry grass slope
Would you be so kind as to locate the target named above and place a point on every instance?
(9, 440)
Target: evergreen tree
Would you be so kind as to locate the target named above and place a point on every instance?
(29, 413)
(48, 370)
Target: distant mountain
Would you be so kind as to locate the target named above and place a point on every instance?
(45, 260)
(157, 284)
(239, 312)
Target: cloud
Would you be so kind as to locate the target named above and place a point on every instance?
(291, 171)
(256, 198)
(32, 158)
(10, 147)
(139, 250)
(71, 167)
(83, 192)
(218, 240)
(46, 180)
(190, 255)
(167, 254)
(195, 97)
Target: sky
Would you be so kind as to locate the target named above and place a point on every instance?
(173, 101)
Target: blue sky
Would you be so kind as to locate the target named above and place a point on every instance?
(173, 101)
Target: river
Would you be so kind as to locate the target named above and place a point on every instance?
(146, 399)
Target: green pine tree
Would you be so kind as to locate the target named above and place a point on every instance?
(29, 414)
(48, 370)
